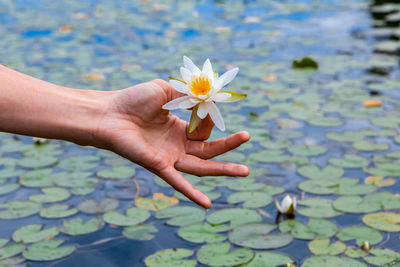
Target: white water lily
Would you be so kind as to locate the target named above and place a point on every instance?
(288, 205)
(202, 89)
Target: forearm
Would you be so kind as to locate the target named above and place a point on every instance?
(29, 106)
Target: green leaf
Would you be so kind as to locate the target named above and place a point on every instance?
(316, 228)
(385, 221)
(194, 120)
(47, 250)
(369, 146)
(341, 186)
(78, 227)
(79, 163)
(234, 96)
(37, 161)
(37, 178)
(268, 259)
(360, 234)
(170, 258)
(176, 79)
(8, 188)
(315, 172)
(250, 199)
(118, 172)
(234, 216)
(349, 161)
(181, 215)
(257, 235)
(382, 256)
(306, 150)
(58, 211)
(200, 233)
(219, 254)
(133, 216)
(317, 208)
(11, 250)
(3, 241)
(140, 232)
(331, 261)
(18, 209)
(370, 203)
(53, 194)
(33, 233)
(324, 247)
(91, 206)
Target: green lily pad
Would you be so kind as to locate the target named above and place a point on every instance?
(37, 178)
(8, 188)
(324, 247)
(370, 203)
(18, 209)
(250, 199)
(204, 189)
(385, 169)
(33, 233)
(181, 215)
(389, 122)
(244, 184)
(324, 121)
(37, 162)
(331, 261)
(170, 258)
(11, 250)
(219, 254)
(268, 259)
(256, 235)
(369, 146)
(79, 163)
(360, 234)
(346, 136)
(382, 256)
(91, 206)
(58, 211)
(200, 233)
(355, 252)
(140, 232)
(316, 228)
(315, 172)
(10, 172)
(118, 172)
(317, 208)
(234, 216)
(77, 227)
(53, 194)
(305, 150)
(13, 261)
(47, 250)
(3, 241)
(133, 216)
(385, 221)
(349, 161)
(341, 186)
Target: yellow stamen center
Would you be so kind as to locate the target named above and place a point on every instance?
(201, 85)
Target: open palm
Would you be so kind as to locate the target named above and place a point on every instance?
(136, 127)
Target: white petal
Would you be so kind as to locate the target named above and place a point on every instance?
(188, 63)
(179, 86)
(202, 111)
(207, 69)
(218, 84)
(187, 104)
(221, 97)
(278, 206)
(216, 116)
(174, 104)
(229, 76)
(294, 202)
(186, 74)
(202, 96)
(287, 201)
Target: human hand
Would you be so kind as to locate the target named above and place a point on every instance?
(135, 126)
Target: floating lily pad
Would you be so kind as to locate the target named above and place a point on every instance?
(360, 234)
(257, 235)
(48, 250)
(355, 252)
(385, 221)
(316, 228)
(171, 258)
(382, 256)
(11, 250)
(234, 216)
(324, 121)
(133, 216)
(219, 254)
(268, 259)
(118, 172)
(181, 215)
(250, 199)
(158, 202)
(306, 150)
(200, 233)
(78, 227)
(53, 194)
(244, 184)
(317, 208)
(369, 146)
(37, 178)
(18, 209)
(346, 136)
(58, 211)
(33, 233)
(324, 247)
(315, 172)
(370, 203)
(349, 161)
(140, 232)
(13, 261)
(341, 186)
(79, 163)
(8, 188)
(332, 261)
(37, 162)
(385, 169)
(3, 241)
(91, 206)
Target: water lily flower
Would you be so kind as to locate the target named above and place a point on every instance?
(202, 89)
(366, 246)
(288, 205)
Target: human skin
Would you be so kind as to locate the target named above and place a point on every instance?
(129, 122)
